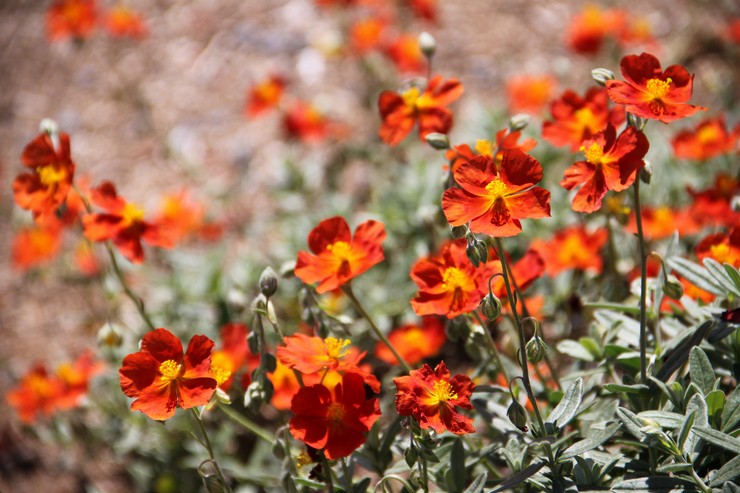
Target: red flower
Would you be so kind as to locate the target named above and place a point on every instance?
(414, 342)
(35, 246)
(528, 93)
(649, 92)
(572, 248)
(711, 138)
(432, 397)
(505, 139)
(661, 222)
(35, 394)
(722, 247)
(123, 224)
(425, 9)
(405, 54)
(449, 284)
(46, 188)
(264, 96)
(232, 356)
(494, 198)
(334, 421)
(712, 207)
(580, 118)
(589, 29)
(365, 34)
(71, 18)
(400, 112)
(122, 22)
(75, 378)
(180, 216)
(161, 378)
(305, 122)
(337, 256)
(611, 163)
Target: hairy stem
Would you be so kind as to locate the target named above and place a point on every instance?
(207, 444)
(643, 283)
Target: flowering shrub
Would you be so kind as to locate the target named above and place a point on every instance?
(506, 315)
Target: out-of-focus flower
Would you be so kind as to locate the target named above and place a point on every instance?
(122, 22)
(432, 398)
(732, 32)
(577, 118)
(650, 92)
(425, 9)
(529, 94)
(712, 207)
(405, 54)
(75, 378)
(35, 245)
(400, 112)
(414, 342)
(611, 163)
(86, 260)
(305, 122)
(71, 18)
(448, 283)
(45, 189)
(589, 29)
(334, 420)
(337, 256)
(232, 356)
(285, 385)
(637, 31)
(161, 378)
(366, 34)
(264, 95)
(122, 223)
(661, 222)
(494, 197)
(572, 248)
(722, 247)
(709, 139)
(180, 216)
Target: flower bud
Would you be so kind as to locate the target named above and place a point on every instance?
(459, 231)
(518, 416)
(482, 249)
(427, 44)
(535, 349)
(268, 282)
(49, 126)
(438, 141)
(108, 335)
(646, 173)
(518, 122)
(673, 288)
(601, 75)
(473, 254)
(490, 306)
(636, 121)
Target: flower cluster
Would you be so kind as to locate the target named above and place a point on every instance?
(78, 19)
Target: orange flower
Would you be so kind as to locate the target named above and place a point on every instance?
(649, 92)
(722, 247)
(661, 222)
(529, 94)
(414, 342)
(611, 163)
(525, 271)
(162, 379)
(123, 224)
(709, 139)
(285, 385)
(493, 198)
(448, 283)
(311, 355)
(572, 248)
(75, 378)
(305, 122)
(712, 207)
(589, 29)
(505, 139)
(579, 118)
(365, 34)
(35, 246)
(637, 30)
(232, 356)
(35, 395)
(71, 18)
(405, 54)
(337, 256)
(264, 96)
(46, 188)
(335, 421)
(122, 22)
(180, 216)
(432, 398)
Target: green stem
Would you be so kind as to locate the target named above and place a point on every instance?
(643, 283)
(347, 475)
(699, 482)
(491, 346)
(247, 423)
(138, 302)
(348, 291)
(327, 473)
(207, 443)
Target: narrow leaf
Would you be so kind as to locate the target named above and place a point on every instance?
(666, 419)
(702, 373)
(615, 388)
(457, 466)
(721, 275)
(594, 439)
(733, 273)
(568, 406)
(478, 484)
(574, 350)
(520, 477)
(729, 471)
(631, 422)
(727, 442)
(654, 484)
(696, 274)
(731, 412)
(685, 429)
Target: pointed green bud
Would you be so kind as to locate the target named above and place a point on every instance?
(601, 75)
(518, 122)
(535, 349)
(491, 306)
(268, 282)
(673, 288)
(636, 121)
(518, 416)
(458, 232)
(472, 252)
(482, 249)
(438, 141)
(646, 173)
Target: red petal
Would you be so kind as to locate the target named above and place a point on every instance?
(328, 232)
(197, 362)
(460, 207)
(162, 345)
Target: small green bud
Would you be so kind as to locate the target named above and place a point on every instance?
(518, 122)
(458, 232)
(108, 335)
(438, 141)
(268, 282)
(673, 288)
(535, 349)
(472, 252)
(636, 121)
(518, 416)
(482, 249)
(427, 44)
(646, 173)
(601, 75)
(491, 306)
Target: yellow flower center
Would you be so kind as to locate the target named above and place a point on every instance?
(594, 153)
(50, 175)
(336, 348)
(454, 278)
(340, 249)
(170, 370)
(497, 189)
(707, 134)
(39, 385)
(132, 213)
(303, 459)
(720, 252)
(335, 413)
(573, 252)
(442, 392)
(410, 96)
(484, 148)
(221, 367)
(658, 88)
(586, 119)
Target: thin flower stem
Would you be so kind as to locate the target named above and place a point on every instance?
(327, 473)
(347, 474)
(348, 291)
(138, 302)
(247, 423)
(643, 283)
(491, 346)
(207, 443)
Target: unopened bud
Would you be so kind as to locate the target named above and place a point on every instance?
(646, 173)
(109, 336)
(535, 349)
(482, 249)
(490, 306)
(268, 282)
(518, 122)
(673, 288)
(458, 232)
(473, 254)
(438, 141)
(601, 75)
(427, 44)
(49, 126)
(517, 415)
(735, 203)
(636, 121)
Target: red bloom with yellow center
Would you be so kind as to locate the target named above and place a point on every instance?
(661, 222)
(123, 224)
(449, 284)
(35, 246)
(709, 139)
(161, 378)
(337, 256)
(494, 197)
(71, 18)
(400, 112)
(45, 189)
(414, 342)
(722, 247)
(122, 22)
(285, 385)
(310, 355)
(572, 248)
(432, 398)
(650, 92)
(611, 163)
(713, 205)
(529, 93)
(589, 29)
(232, 355)
(75, 378)
(180, 216)
(335, 421)
(577, 118)
(264, 96)
(505, 139)
(35, 395)
(405, 54)
(305, 122)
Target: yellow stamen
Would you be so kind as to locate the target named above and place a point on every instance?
(336, 348)
(594, 153)
(51, 175)
(410, 96)
(335, 413)
(221, 367)
(658, 88)
(707, 134)
(484, 148)
(453, 278)
(497, 189)
(442, 392)
(586, 119)
(721, 252)
(170, 370)
(132, 213)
